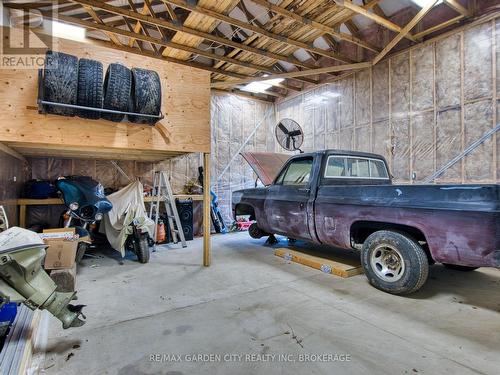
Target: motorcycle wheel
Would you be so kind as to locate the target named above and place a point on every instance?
(80, 251)
(141, 249)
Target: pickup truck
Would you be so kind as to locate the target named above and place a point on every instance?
(346, 199)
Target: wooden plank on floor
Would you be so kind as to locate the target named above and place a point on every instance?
(327, 263)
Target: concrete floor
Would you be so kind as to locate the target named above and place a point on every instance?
(253, 304)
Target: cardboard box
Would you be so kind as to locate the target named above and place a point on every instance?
(62, 248)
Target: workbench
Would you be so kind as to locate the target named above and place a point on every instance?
(22, 203)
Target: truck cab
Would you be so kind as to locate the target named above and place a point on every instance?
(292, 194)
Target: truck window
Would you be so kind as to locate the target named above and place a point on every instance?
(355, 167)
(377, 169)
(297, 173)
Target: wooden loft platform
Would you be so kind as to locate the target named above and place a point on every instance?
(185, 104)
(84, 152)
(184, 129)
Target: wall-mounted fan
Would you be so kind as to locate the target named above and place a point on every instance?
(289, 134)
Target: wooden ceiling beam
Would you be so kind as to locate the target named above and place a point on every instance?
(244, 94)
(374, 17)
(254, 37)
(258, 30)
(177, 27)
(170, 11)
(405, 30)
(328, 69)
(455, 5)
(96, 18)
(438, 27)
(316, 25)
(160, 42)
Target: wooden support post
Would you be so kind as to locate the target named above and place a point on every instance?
(22, 216)
(207, 256)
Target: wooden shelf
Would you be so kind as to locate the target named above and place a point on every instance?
(23, 202)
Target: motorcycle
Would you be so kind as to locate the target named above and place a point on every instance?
(215, 214)
(127, 227)
(86, 204)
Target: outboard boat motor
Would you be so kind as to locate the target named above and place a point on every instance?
(22, 278)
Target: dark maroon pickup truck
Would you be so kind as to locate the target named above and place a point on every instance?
(346, 199)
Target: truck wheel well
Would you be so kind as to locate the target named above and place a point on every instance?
(360, 230)
(245, 209)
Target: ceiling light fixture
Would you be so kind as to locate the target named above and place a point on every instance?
(423, 3)
(261, 86)
(63, 30)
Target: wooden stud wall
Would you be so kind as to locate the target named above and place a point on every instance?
(185, 102)
(419, 108)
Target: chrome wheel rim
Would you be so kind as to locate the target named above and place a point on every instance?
(387, 263)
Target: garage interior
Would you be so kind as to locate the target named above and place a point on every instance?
(162, 105)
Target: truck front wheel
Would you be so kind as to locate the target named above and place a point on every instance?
(394, 262)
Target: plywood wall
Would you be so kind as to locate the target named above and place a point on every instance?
(419, 109)
(236, 121)
(185, 103)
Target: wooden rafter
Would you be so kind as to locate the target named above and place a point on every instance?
(176, 27)
(138, 26)
(170, 11)
(96, 18)
(315, 25)
(160, 42)
(438, 27)
(454, 4)
(329, 69)
(374, 17)
(254, 37)
(405, 30)
(258, 30)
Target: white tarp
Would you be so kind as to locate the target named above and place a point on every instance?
(128, 205)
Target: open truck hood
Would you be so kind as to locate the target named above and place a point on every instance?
(266, 164)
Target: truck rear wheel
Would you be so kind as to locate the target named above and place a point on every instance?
(394, 263)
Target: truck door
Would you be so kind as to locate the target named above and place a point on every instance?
(286, 200)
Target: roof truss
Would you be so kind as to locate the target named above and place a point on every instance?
(254, 50)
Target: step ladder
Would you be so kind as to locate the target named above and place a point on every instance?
(163, 192)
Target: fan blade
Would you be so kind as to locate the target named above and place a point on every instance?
(288, 143)
(283, 128)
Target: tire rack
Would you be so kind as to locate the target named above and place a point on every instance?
(42, 103)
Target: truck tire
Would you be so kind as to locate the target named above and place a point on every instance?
(60, 82)
(394, 263)
(117, 86)
(146, 96)
(89, 87)
(141, 249)
(458, 267)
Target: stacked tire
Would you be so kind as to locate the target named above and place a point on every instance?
(67, 80)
